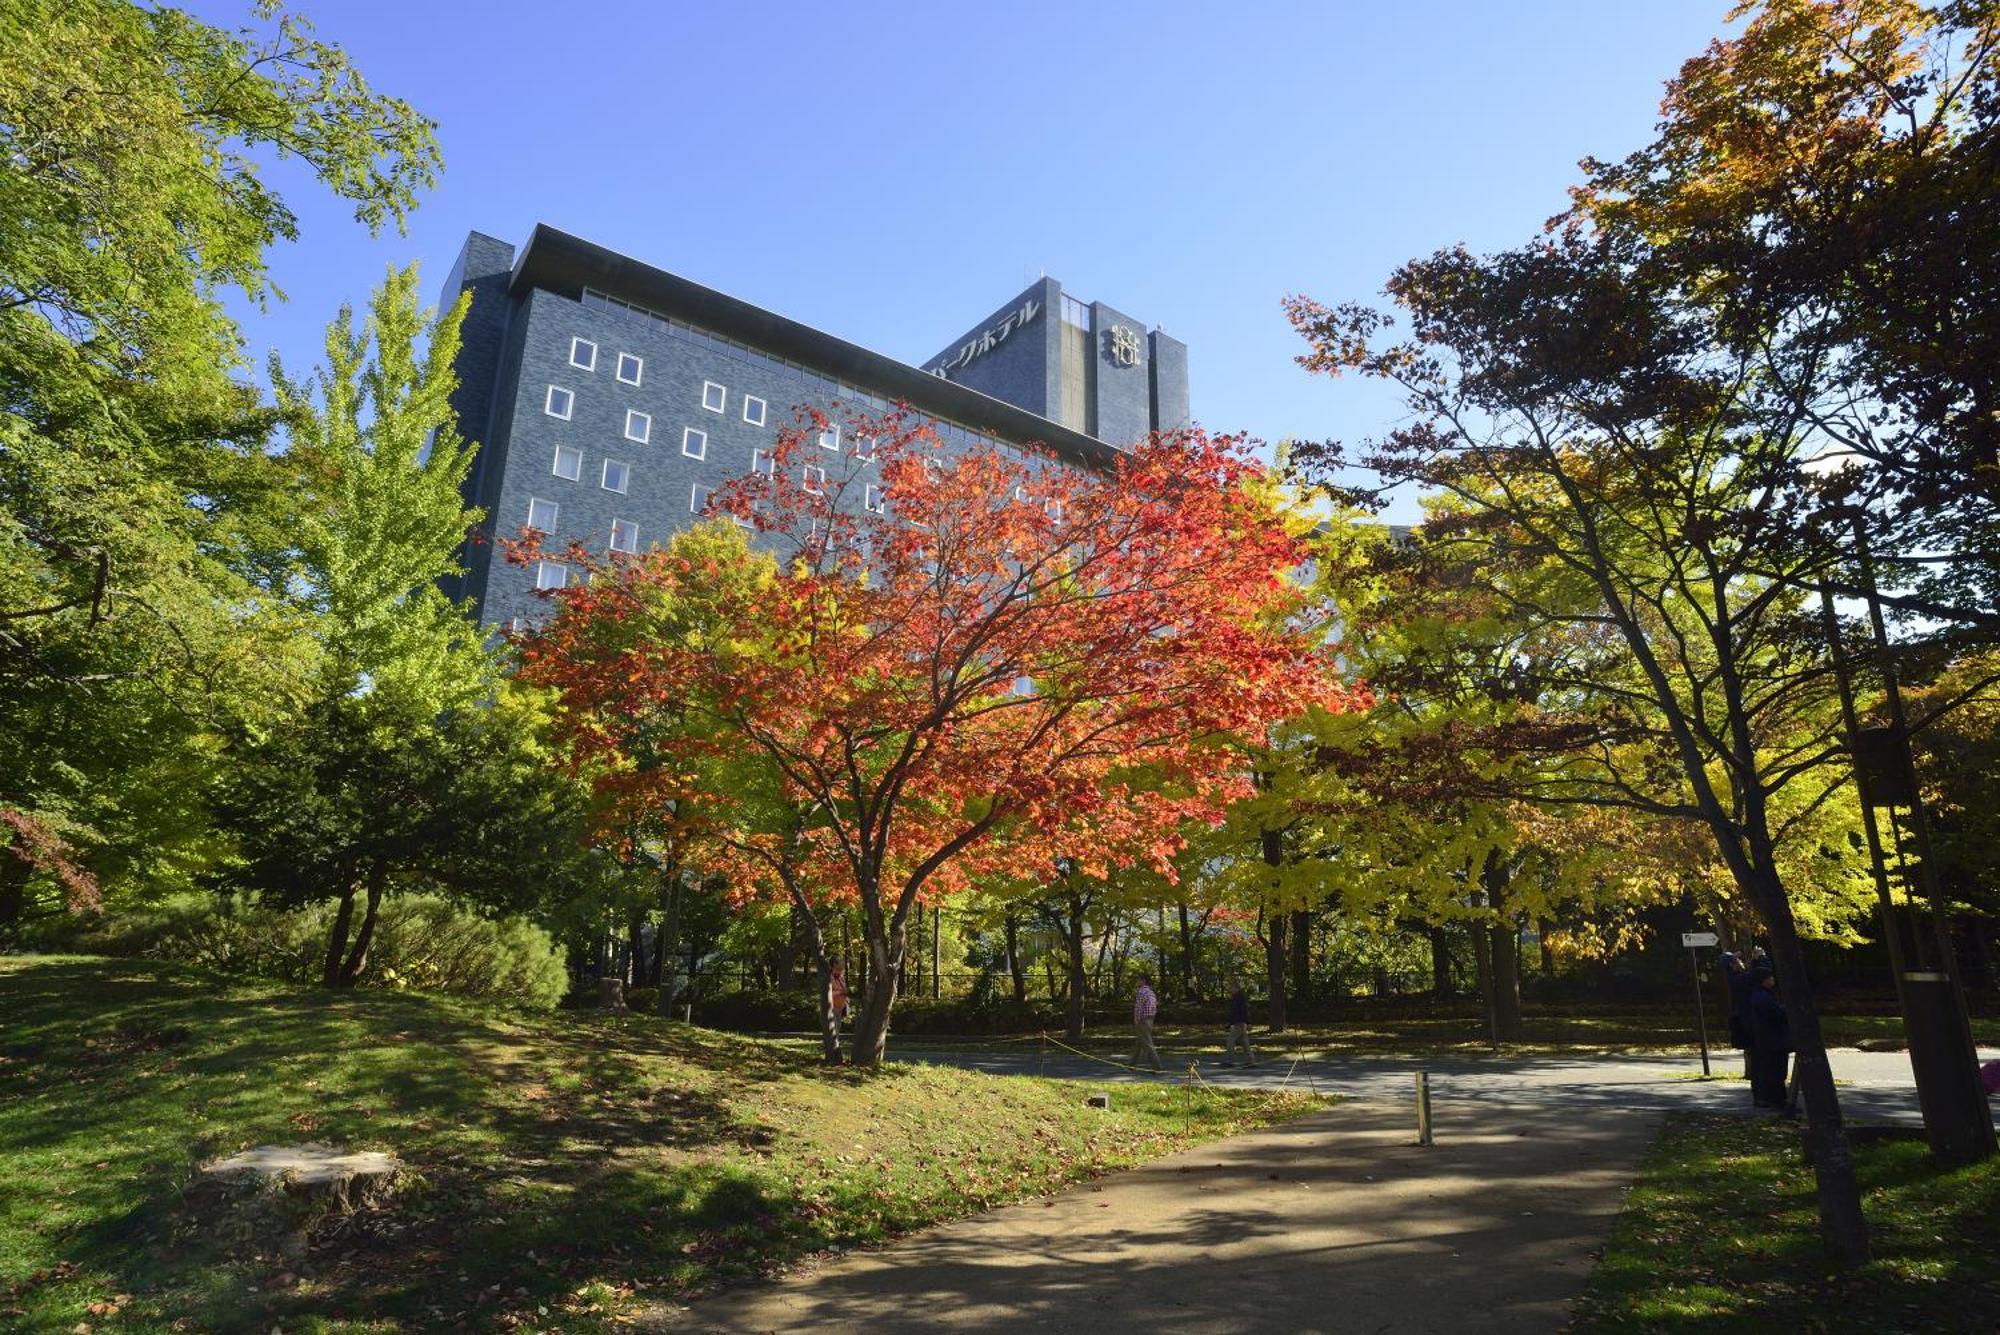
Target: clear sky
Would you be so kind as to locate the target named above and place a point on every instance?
(892, 172)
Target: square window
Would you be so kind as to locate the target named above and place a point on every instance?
(864, 448)
(551, 575)
(829, 439)
(1021, 495)
(630, 369)
(624, 536)
(753, 410)
(762, 462)
(1053, 509)
(569, 463)
(559, 402)
(541, 514)
(583, 354)
(616, 476)
(713, 396)
(698, 499)
(813, 479)
(638, 426)
(694, 444)
(873, 502)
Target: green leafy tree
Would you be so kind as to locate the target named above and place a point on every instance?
(348, 804)
(141, 516)
(388, 774)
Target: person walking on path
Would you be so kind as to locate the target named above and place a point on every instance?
(1770, 1043)
(1145, 1005)
(1736, 976)
(1239, 1029)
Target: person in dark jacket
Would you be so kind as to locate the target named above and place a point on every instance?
(1736, 976)
(1770, 1042)
(1239, 1029)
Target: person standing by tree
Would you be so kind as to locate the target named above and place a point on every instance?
(1770, 1042)
(1239, 1029)
(1736, 977)
(1145, 1005)
(836, 993)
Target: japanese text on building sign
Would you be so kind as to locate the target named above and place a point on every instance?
(980, 344)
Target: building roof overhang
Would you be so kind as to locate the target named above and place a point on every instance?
(557, 261)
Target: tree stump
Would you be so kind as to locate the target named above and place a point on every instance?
(282, 1191)
(611, 994)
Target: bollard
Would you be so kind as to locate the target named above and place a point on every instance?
(1424, 1108)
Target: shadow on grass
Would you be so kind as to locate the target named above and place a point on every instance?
(544, 1151)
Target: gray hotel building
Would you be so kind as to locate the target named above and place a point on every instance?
(610, 398)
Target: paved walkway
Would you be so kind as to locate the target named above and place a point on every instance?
(1336, 1222)
(1875, 1086)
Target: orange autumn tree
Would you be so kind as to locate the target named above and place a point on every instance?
(971, 661)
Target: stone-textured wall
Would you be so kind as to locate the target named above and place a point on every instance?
(1122, 398)
(1022, 369)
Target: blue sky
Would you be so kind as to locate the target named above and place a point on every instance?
(892, 172)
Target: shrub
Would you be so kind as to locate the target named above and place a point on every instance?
(421, 941)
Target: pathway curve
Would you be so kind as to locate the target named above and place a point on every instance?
(1335, 1222)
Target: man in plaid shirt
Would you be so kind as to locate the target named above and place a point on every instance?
(1145, 1005)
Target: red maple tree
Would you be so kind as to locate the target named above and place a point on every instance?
(974, 661)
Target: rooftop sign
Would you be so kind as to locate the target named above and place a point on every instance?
(982, 343)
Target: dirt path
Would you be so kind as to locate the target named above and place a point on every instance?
(1336, 1222)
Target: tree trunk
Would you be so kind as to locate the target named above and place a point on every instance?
(1017, 972)
(357, 959)
(1507, 980)
(1841, 1223)
(1542, 930)
(1504, 954)
(1188, 987)
(1073, 940)
(336, 940)
(806, 924)
(14, 873)
(1274, 970)
(1301, 929)
(1272, 844)
(1104, 939)
(635, 940)
(885, 962)
(673, 901)
(1441, 985)
(1482, 959)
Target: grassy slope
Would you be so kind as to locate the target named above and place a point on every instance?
(565, 1165)
(1721, 1234)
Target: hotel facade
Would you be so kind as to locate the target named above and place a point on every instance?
(610, 399)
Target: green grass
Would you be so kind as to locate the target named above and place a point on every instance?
(1721, 1234)
(564, 1169)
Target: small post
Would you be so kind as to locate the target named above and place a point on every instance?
(1694, 941)
(1700, 1008)
(1424, 1108)
(1042, 1058)
(1187, 1102)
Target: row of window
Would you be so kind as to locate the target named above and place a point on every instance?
(625, 534)
(560, 403)
(815, 384)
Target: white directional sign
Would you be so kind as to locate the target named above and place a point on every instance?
(1693, 939)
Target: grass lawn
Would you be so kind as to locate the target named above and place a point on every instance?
(565, 1167)
(1721, 1234)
